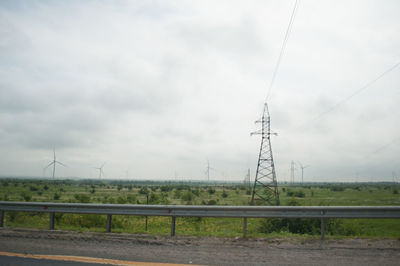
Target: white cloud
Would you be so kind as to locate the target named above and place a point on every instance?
(162, 86)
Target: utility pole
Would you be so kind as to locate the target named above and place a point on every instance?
(265, 187)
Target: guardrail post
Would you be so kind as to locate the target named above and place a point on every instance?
(244, 226)
(172, 225)
(323, 226)
(51, 221)
(1, 218)
(109, 218)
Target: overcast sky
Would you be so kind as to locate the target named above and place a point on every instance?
(157, 88)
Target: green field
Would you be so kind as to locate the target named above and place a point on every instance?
(135, 192)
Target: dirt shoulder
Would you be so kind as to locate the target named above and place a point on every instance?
(201, 250)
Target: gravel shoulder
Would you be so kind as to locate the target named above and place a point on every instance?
(204, 250)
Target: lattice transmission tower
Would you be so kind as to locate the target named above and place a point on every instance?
(265, 189)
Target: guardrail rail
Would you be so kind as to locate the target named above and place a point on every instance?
(322, 212)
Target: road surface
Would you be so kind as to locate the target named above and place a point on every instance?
(200, 251)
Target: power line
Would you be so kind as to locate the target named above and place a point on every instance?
(366, 86)
(288, 30)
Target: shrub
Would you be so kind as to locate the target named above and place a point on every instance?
(82, 198)
(395, 191)
(212, 202)
(336, 188)
(177, 194)
(143, 191)
(131, 199)
(45, 187)
(187, 196)
(298, 194)
(33, 188)
(295, 226)
(121, 200)
(211, 190)
(196, 192)
(56, 196)
(26, 196)
(224, 194)
(154, 198)
(165, 188)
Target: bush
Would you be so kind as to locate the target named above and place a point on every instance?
(56, 196)
(298, 194)
(121, 200)
(165, 188)
(211, 190)
(336, 188)
(143, 191)
(196, 192)
(154, 198)
(187, 196)
(26, 197)
(224, 194)
(82, 198)
(395, 191)
(33, 188)
(295, 226)
(212, 202)
(131, 199)
(45, 187)
(177, 194)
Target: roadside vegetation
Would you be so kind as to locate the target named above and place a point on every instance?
(135, 192)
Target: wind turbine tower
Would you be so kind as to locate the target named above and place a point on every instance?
(208, 170)
(292, 168)
(54, 162)
(100, 170)
(302, 171)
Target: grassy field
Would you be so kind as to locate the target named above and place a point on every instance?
(124, 192)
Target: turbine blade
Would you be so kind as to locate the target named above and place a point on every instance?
(48, 165)
(61, 164)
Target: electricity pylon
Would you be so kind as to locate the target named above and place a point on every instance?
(265, 187)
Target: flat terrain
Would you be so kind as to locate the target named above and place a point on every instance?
(146, 192)
(203, 251)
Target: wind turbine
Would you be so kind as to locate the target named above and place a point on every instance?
(208, 170)
(302, 171)
(100, 170)
(54, 162)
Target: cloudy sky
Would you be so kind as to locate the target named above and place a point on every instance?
(157, 88)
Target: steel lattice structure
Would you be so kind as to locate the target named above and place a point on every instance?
(265, 187)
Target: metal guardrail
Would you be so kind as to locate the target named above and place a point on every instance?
(322, 212)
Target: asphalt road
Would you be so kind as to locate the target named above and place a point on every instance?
(12, 261)
(201, 251)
